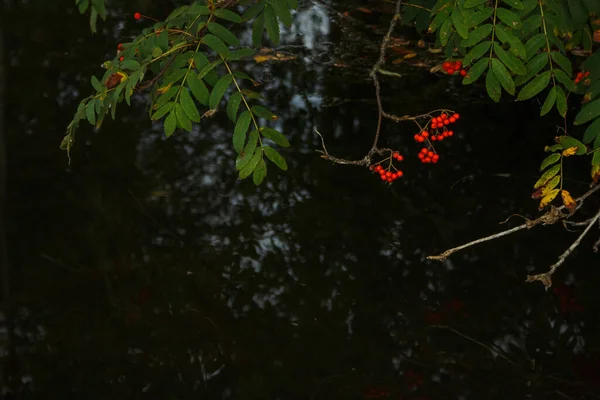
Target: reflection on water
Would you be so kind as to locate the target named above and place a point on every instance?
(148, 269)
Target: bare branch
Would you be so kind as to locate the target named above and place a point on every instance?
(546, 278)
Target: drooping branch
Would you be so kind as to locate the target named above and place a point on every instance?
(553, 215)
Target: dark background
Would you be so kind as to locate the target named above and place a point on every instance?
(146, 269)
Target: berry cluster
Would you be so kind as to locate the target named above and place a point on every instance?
(453, 67)
(427, 156)
(388, 175)
(120, 48)
(581, 75)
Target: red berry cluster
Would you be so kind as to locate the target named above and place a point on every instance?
(137, 15)
(120, 48)
(427, 156)
(581, 75)
(388, 175)
(453, 67)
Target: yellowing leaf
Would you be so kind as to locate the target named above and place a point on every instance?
(164, 88)
(596, 173)
(548, 198)
(546, 176)
(568, 201)
(570, 151)
(550, 185)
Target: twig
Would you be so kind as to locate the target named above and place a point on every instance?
(552, 216)
(546, 278)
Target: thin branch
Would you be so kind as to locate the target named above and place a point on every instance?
(546, 278)
(552, 216)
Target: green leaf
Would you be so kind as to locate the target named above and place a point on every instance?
(439, 19)
(161, 112)
(516, 4)
(476, 70)
(257, 30)
(473, 3)
(198, 88)
(480, 16)
(445, 31)
(283, 12)
(477, 52)
(254, 10)
(492, 86)
(260, 172)
(182, 118)
(271, 24)
(170, 123)
(596, 158)
(509, 18)
(516, 47)
(503, 76)
(252, 163)
(561, 101)
(590, 111)
(569, 141)
(535, 86)
(130, 65)
(293, 4)
(232, 106)
(219, 91)
(564, 79)
(597, 142)
(562, 62)
(166, 96)
(90, 113)
(216, 44)
(208, 68)
(550, 99)
(223, 33)
(275, 136)
(546, 176)
(592, 131)
(478, 35)
(262, 112)
(534, 44)
(228, 15)
(99, 87)
(239, 54)
(246, 154)
(275, 157)
(551, 159)
(535, 65)
(459, 25)
(239, 133)
(188, 105)
(510, 61)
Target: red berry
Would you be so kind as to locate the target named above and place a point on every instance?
(427, 160)
(456, 116)
(121, 58)
(444, 116)
(424, 150)
(577, 80)
(137, 15)
(120, 47)
(447, 65)
(425, 134)
(452, 120)
(399, 174)
(430, 154)
(463, 72)
(446, 122)
(421, 139)
(434, 138)
(421, 156)
(383, 178)
(450, 133)
(440, 138)
(399, 158)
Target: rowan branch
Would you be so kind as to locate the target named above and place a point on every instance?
(553, 215)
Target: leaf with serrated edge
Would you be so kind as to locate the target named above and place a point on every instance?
(477, 52)
(275, 157)
(198, 88)
(550, 99)
(233, 105)
(546, 176)
(475, 71)
(239, 132)
(592, 131)
(161, 112)
(223, 33)
(189, 107)
(260, 172)
(548, 198)
(548, 161)
(478, 35)
(492, 86)
(219, 91)
(535, 86)
(503, 76)
(246, 154)
(275, 136)
(182, 119)
(249, 168)
(588, 112)
(170, 123)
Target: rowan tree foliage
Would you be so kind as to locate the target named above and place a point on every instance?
(522, 48)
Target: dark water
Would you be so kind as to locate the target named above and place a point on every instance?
(147, 270)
